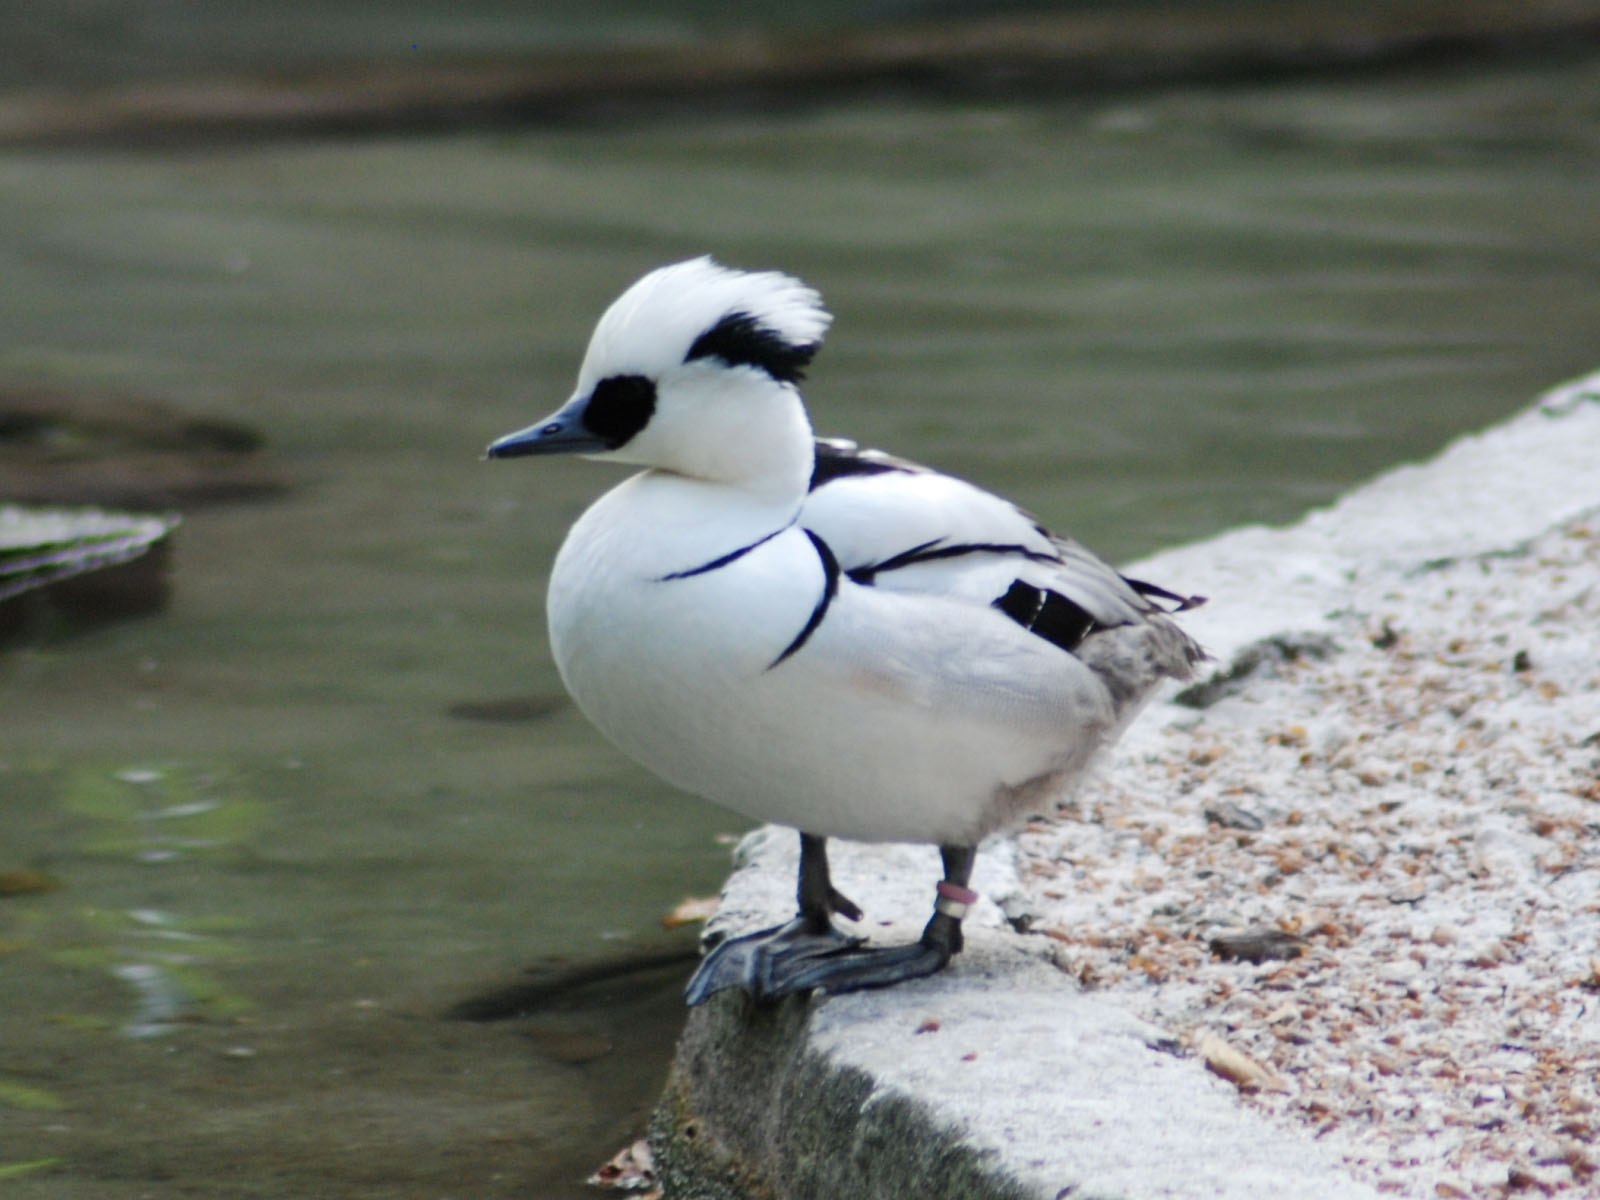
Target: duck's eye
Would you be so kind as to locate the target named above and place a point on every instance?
(618, 408)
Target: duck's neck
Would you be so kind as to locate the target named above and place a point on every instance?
(759, 448)
(771, 459)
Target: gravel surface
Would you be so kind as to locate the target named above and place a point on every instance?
(1358, 871)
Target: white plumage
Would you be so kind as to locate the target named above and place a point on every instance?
(810, 634)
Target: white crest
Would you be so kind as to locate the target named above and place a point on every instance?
(651, 327)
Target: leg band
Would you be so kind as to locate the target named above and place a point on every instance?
(954, 900)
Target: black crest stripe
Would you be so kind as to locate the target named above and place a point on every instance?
(830, 589)
(740, 340)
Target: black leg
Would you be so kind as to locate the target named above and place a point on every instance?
(810, 953)
(816, 895)
(945, 926)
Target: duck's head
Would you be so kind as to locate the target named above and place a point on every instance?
(693, 370)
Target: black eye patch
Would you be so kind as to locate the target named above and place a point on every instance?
(742, 341)
(618, 408)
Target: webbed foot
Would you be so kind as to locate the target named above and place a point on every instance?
(858, 968)
(810, 953)
(793, 958)
(765, 964)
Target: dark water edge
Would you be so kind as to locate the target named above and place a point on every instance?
(776, 63)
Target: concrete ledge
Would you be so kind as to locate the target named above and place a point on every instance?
(997, 1080)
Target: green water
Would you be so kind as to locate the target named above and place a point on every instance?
(281, 859)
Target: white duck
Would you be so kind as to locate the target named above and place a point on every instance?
(815, 635)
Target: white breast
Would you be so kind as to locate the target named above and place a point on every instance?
(903, 716)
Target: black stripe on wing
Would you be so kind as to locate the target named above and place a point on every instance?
(1047, 614)
(933, 552)
(830, 589)
(1050, 615)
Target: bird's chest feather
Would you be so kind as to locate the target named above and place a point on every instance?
(656, 603)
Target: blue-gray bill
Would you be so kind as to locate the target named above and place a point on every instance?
(562, 432)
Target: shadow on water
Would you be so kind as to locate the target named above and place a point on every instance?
(265, 844)
(586, 985)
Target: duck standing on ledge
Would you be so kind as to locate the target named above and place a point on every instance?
(819, 636)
